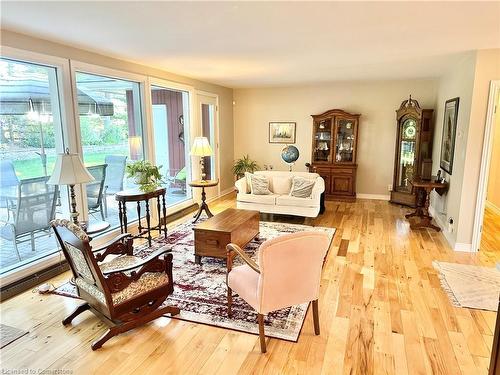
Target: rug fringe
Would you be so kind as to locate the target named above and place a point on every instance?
(445, 286)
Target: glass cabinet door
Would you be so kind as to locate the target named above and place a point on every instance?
(407, 154)
(344, 140)
(322, 141)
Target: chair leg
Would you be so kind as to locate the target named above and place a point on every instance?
(110, 333)
(316, 316)
(101, 208)
(124, 327)
(32, 240)
(75, 313)
(262, 336)
(105, 200)
(16, 248)
(229, 301)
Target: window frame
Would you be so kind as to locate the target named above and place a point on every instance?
(62, 68)
(199, 95)
(167, 85)
(83, 67)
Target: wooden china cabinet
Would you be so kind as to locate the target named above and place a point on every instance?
(413, 146)
(334, 148)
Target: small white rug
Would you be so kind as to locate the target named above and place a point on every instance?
(469, 286)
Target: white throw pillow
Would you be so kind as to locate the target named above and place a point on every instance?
(259, 185)
(282, 185)
(302, 187)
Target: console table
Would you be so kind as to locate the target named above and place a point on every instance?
(136, 195)
(423, 191)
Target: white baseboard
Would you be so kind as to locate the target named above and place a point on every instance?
(457, 246)
(380, 197)
(491, 206)
(466, 247)
(222, 193)
(227, 191)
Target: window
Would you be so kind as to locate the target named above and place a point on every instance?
(208, 131)
(171, 129)
(111, 136)
(30, 138)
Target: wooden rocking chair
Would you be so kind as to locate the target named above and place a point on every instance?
(125, 292)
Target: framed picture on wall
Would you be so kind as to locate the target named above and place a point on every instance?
(449, 134)
(282, 132)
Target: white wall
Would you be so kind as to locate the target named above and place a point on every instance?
(487, 69)
(458, 82)
(376, 101)
(470, 80)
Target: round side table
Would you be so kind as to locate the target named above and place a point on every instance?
(203, 206)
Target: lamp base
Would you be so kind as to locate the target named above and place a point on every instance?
(203, 174)
(74, 213)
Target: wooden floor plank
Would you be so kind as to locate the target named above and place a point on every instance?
(382, 311)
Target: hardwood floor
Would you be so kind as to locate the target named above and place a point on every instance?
(490, 239)
(381, 311)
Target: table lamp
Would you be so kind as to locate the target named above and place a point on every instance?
(69, 170)
(201, 148)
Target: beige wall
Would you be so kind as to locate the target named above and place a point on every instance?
(470, 80)
(458, 82)
(493, 195)
(376, 101)
(226, 135)
(487, 69)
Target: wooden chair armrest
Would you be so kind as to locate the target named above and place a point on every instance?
(232, 251)
(153, 256)
(119, 245)
(117, 280)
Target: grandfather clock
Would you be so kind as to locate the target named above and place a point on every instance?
(413, 146)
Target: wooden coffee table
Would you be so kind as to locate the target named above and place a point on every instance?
(230, 226)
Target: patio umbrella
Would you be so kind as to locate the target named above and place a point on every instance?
(15, 97)
(21, 97)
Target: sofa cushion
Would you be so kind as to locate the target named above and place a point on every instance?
(281, 185)
(287, 200)
(259, 185)
(302, 187)
(259, 199)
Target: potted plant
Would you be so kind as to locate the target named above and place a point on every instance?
(244, 164)
(145, 174)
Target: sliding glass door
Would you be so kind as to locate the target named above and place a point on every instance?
(30, 138)
(111, 137)
(170, 109)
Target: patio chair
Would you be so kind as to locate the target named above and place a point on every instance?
(33, 207)
(115, 172)
(8, 183)
(178, 181)
(124, 292)
(96, 190)
(288, 273)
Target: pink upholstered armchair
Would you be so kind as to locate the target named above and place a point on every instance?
(288, 273)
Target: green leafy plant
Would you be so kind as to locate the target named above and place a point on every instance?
(145, 174)
(244, 164)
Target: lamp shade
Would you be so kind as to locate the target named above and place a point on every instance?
(201, 147)
(69, 170)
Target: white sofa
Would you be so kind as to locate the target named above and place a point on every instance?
(280, 202)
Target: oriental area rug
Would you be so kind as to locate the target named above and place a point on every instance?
(200, 290)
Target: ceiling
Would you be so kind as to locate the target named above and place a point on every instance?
(251, 44)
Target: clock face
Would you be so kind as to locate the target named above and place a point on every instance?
(409, 129)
